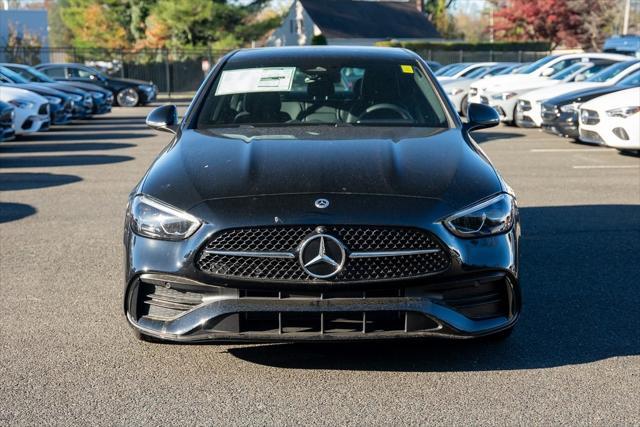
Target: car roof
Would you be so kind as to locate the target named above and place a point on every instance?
(310, 52)
(59, 64)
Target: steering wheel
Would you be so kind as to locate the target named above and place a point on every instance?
(386, 106)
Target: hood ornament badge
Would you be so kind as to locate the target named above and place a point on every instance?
(322, 203)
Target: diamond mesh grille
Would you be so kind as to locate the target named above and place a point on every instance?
(354, 238)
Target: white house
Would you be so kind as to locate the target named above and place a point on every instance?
(353, 22)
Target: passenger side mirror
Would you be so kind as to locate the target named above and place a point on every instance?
(481, 116)
(164, 118)
(547, 72)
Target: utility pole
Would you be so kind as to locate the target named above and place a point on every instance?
(625, 25)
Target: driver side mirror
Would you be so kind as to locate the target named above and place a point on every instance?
(481, 116)
(164, 118)
(580, 78)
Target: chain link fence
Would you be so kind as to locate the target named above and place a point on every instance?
(183, 70)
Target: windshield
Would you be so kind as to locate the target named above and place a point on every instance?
(610, 72)
(568, 72)
(632, 79)
(454, 70)
(315, 91)
(539, 63)
(14, 77)
(32, 75)
(478, 72)
(445, 69)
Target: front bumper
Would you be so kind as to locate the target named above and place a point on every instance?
(222, 313)
(563, 124)
(168, 297)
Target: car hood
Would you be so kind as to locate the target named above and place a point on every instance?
(86, 86)
(502, 81)
(64, 88)
(129, 82)
(40, 89)
(8, 93)
(405, 162)
(557, 90)
(584, 95)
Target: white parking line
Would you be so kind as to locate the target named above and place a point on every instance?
(570, 150)
(607, 167)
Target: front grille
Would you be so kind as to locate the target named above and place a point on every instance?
(549, 112)
(6, 117)
(361, 239)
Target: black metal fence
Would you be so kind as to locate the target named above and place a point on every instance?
(171, 70)
(183, 70)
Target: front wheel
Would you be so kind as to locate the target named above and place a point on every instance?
(127, 97)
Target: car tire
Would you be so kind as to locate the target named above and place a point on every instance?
(464, 105)
(128, 97)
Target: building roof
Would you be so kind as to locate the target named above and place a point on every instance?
(352, 19)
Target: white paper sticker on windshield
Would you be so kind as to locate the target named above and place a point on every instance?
(256, 80)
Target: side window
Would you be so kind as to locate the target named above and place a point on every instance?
(55, 72)
(561, 65)
(79, 73)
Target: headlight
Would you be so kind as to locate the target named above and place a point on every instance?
(504, 96)
(76, 98)
(493, 216)
(623, 112)
(145, 88)
(98, 95)
(571, 108)
(22, 103)
(455, 91)
(156, 220)
(53, 99)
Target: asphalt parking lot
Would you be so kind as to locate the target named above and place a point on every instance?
(67, 355)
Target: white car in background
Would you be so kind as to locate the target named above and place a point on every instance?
(529, 110)
(458, 90)
(612, 120)
(502, 92)
(461, 70)
(31, 110)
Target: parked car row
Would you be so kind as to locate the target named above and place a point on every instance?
(591, 97)
(34, 98)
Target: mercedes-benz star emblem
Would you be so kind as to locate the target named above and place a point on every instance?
(322, 256)
(322, 203)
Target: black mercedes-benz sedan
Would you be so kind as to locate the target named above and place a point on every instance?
(125, 92)
(289, 206)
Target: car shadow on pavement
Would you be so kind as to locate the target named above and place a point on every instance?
(579, 276)
(70, 160)
(30, 181)
(52, 147)
(15, 211)
(59, 136)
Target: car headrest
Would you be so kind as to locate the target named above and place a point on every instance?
(379, 86)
